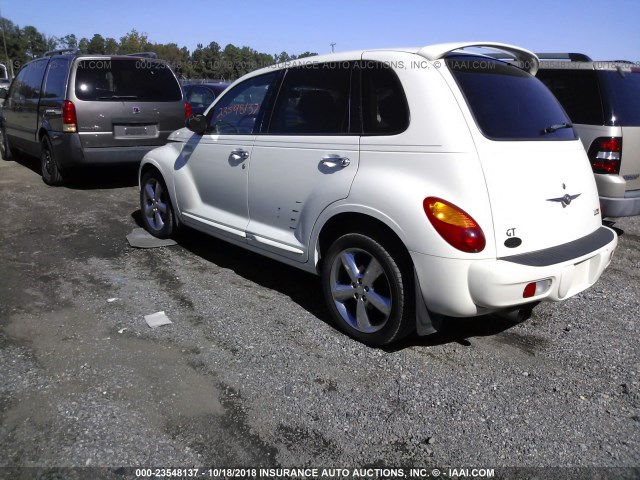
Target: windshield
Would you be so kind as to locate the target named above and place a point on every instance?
(623, 96)
(508, 103)
(123, 79)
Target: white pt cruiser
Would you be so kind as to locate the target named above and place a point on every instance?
(418, 183)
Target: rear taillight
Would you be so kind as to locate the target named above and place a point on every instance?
(69, 120)
(454, 225)
(187, 110)
(605, 154)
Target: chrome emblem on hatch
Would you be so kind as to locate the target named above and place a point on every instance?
(565, 200)
(136, 110)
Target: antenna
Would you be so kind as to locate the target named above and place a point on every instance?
(332, 45)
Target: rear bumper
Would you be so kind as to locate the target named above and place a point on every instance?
(465, 288)
(70, 153)
(626, 206)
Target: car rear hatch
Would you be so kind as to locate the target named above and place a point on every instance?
(126, 101)
(540, 185)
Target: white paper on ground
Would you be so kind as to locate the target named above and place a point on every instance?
(157, 319)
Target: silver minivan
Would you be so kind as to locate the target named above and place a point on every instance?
(73, 110)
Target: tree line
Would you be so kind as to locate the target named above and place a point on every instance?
(205, 62)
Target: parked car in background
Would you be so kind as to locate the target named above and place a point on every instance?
(416, 182)
(4, 87)
(200, 95)
(71, 109)
(602, 99)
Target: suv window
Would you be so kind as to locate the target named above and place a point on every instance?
(623, 96)
(56, 81)
(506, 102)
(238, 111)
(384, 104)
(29, 81)
(313, 100)
(577, 91)
(118, 79)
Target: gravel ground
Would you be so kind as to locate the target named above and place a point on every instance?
(252, 374)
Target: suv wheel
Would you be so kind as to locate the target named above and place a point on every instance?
(51, 174)
(155, 204)
(368, 290)
(5, 150)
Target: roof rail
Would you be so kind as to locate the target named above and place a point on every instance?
(143, 54)
(61, 51)
(573, 57)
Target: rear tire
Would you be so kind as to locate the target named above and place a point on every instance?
(5, 149)
(51, 173)
(155, 205)
(368, 288)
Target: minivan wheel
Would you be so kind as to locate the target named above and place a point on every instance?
(51, 174)
(155, 204)
(368, 290)
(5, 150)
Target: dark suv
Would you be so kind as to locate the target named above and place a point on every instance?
(603, 100)
(71, 109)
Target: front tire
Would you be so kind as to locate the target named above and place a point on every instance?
(51, 173)
(368, 288)
(155, 205)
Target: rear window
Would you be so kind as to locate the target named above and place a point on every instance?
(123, 79)
(578, 92)
(623, 97)
(508, 103)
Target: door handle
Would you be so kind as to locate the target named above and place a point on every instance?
(335, 162)
(241, 154)
(51, 111)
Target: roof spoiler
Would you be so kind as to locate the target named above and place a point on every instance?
(526, 59)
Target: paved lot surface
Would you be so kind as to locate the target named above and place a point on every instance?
(251, 373)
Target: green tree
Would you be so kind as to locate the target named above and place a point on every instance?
(111, 46)
(68, 41)
(133, 42)
(96, 45)
(33, 42)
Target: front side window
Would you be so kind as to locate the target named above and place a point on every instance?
(313, 100)
(508, 103)
(122, 79)
(240, 110)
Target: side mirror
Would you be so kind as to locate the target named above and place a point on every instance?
(197, 123)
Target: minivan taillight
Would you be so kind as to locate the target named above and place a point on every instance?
(605, 154)
(69, 121)
(187, 110)
(454, 225)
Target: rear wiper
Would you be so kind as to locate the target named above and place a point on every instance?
(119, 97)
(554, 128)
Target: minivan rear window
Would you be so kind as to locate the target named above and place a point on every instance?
(508, 103)
(623, 96)
(123, 79)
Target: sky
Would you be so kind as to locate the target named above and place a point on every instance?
(604, 30)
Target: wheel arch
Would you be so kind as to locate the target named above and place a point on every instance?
(357, 222)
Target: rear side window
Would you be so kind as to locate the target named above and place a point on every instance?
(123, 79)
(384, 104)
(623, 96)
(314, 100)
(508, 103)
(55, 85)
(578, 93)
